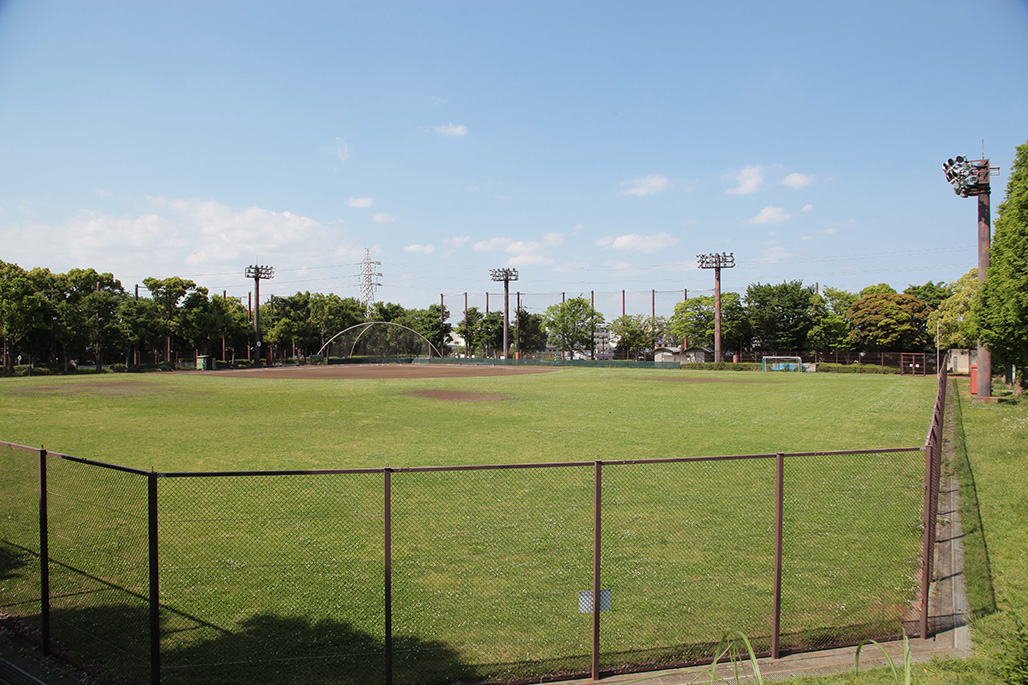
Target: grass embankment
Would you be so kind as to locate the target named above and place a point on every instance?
(487, 565)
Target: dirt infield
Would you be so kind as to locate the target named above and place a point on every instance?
(370, 371)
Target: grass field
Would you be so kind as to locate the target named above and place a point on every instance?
(487, 564)
(177, 422)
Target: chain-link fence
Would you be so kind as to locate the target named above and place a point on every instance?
(464, 574)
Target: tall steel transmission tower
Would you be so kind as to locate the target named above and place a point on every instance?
(368, 282)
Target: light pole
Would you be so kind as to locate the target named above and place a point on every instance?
(970, 178)
(505, 275)
(715, 261)
(257, 272)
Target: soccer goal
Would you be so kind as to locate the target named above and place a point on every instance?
(781, 364)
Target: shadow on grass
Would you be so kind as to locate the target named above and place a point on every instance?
(11, 560)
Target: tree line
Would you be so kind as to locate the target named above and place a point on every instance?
(58, 318)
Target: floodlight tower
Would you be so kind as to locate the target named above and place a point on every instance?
(505, 275)
(257, 272)
(970, 178)
(715, 261)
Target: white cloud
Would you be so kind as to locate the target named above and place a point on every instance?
(383, 218)
(529, 260)
(339, 148)
(770, 215)
(457, 241)
(647, 185)
(171, 236)
(618, 265)
(437, 100)
(827, 231)
(575, 229)
(806, 208)
(773, 255)
(749, 179)
(605, 240)
(420, 249)
(360, 202)
(491, 244)
(640, 243)
(452, 130)
(797, 181)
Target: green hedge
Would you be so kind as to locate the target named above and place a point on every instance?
(721, 366)
(857, 368)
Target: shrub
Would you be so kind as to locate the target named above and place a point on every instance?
(722, 366)
(118, 368)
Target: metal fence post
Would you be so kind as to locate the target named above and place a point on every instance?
(155, 597)
(388, 564)
(44, 556)
(776, 621)
(597, 498)
(926, 535)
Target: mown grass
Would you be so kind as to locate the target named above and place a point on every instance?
(488, 564)
(195, 422)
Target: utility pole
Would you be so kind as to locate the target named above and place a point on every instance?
(368, 283)
(505, 275)
(258, 272)
(715, 261)
(970, 178)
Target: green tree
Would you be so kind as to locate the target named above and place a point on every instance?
(780, 315)
(932, 294)
(141, 325)
(1000, 311)
(469, 328)
(529, 331)
(167, 293)
(571, 324)
(880, 289)
(629, 335)
(693, 322)
(829, 331)
(430, 324)
(490, 332)
(952, 318)
(889, 322)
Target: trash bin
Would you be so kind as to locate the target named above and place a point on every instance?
(204, 363)
(974, 379)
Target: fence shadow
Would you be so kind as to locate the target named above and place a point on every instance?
(273, 648)
(11, 561)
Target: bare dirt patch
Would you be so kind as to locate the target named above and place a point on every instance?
(457, 395)
(371, 371)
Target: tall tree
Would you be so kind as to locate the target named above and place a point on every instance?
(571, 324)
(780, 315)
(1001, 309)
(952, 318)
(693, 322)
(629, 335)
(529, 331)
(167, 292)
(932, 294)
(889, 322)
(469, 330)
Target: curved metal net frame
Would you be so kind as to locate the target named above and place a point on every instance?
(378, 339)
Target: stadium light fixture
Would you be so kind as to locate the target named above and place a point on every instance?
(716, 261)
(505, 275)
(970, 178)
(257, 273)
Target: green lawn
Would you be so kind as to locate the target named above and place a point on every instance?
(487, 565)
(177, 422)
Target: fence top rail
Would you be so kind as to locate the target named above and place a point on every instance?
(100, 464)
(542, 465)
(16, 446)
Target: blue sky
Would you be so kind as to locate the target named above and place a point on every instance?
(594, 146)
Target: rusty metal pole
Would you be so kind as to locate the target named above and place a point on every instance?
(597, 500)
(926, 538)
(44, 556)
(984, 235)
(388, 569)
(776, 620)
(717, 314)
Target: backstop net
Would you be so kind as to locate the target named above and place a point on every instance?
(378, 340)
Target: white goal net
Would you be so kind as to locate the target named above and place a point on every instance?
(781, 364)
